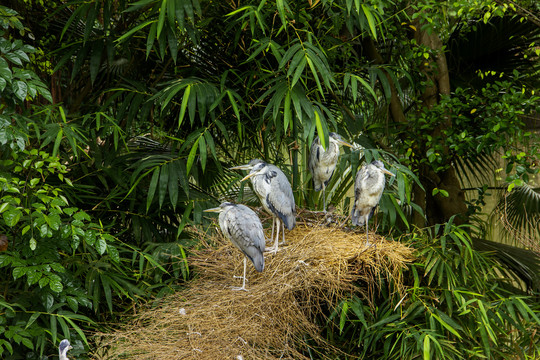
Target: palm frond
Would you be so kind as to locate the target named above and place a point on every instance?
(524, 263)
(519, 212)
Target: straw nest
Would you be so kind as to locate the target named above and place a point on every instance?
(276, 318)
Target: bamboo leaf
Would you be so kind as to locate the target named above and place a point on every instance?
(371, 21)
(161, 18)
(163, 183)
(152, 188)
(183, 107)
(320, 131)
(287, 118)
(427, 348)
(202, 152)
(191, 156)
(134, 30)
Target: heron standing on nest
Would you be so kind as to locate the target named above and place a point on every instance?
(322, 163)
(275, 193)
(368, 189)
(63, 348)
(242, 226)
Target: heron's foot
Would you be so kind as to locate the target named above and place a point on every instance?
(242, 288)
(272, 250)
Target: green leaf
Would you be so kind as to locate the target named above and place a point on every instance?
(12, 216)
(427, 348)
(183, 107)
(162, 14)
(202, 152)
(134, 30)
(163, 183)
(100, 245)
(371, 21)
(152, 188)
(32, 319)
(21, 89)
(191, 156)
(320, 130)
(56, 285)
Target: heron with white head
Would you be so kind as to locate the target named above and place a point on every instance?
(368, 189)
(322, 163)
(243, 227)
(63, 348)
(275, 193)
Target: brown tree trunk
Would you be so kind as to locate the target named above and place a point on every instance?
(438, 208)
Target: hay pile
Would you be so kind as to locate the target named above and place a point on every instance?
(318, 267)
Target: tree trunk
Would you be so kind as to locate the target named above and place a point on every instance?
(438, 208)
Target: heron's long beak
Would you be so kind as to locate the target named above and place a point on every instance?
(216, 209)
(341, 142)
(387, 172)
(249, 175)
(242, 167)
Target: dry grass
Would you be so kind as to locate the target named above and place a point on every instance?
(318, 267)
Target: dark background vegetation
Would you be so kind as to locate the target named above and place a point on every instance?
(118, 121)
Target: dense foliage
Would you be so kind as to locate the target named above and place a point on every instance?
(119, 121)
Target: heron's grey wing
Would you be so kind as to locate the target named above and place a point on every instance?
(246, 233)
(313, 163)
(360, 207)
(280, 199)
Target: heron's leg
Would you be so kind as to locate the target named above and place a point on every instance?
(282, 233)
(367, 232)
(273, 223)
(244, 278)
(324, 197)
(274, 248)
(278, 226)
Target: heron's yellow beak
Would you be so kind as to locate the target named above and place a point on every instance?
(387, 172)
(341, 142)
(249, 175)
(216, 209)
(241, 167)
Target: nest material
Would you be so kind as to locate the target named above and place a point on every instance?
(276, 318)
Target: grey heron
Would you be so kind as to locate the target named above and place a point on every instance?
(63, 349)
(368, 189)
(242, 226)
(275, 193)
(322, 163)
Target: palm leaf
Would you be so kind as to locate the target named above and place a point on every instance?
(519, 211)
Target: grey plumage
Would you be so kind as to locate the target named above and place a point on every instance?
(322, 163)
(368, 189)
(243, 227)
(274, 191)
(63, 348)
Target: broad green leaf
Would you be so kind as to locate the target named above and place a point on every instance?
(21, 89)
(12, 216)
